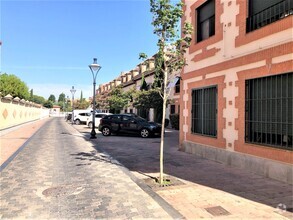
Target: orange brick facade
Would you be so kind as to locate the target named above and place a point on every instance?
(226, 60)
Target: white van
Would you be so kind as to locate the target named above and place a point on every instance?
(80, 116)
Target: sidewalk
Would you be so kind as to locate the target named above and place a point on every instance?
(13, 138)
(204, 189)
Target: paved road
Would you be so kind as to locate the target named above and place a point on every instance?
(60, 175)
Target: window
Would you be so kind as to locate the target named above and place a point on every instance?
(262, 13)
(268, 111)
(204, 111)
(177, 87)
(206, 20)
(172, 111)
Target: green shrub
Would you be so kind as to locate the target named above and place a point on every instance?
(174, 118)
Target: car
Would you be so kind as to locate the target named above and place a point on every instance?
(128, 123)
(81, 116)
(98, 116)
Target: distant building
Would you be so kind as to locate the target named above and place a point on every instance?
(237, 89)
(133, 79)
(55, 110)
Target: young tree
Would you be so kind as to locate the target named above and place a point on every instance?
(11, 84)
(170, 56)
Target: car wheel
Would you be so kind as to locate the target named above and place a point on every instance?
(144, 133)
(90, 124)
(77, 121)
(106, 131)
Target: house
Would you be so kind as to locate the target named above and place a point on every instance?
(237, 89)
(133, 80)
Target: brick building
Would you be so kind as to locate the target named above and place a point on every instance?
(133, 80)
(237, 89)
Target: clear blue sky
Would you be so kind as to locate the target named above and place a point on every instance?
(50, 43)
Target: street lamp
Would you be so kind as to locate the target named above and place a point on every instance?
(95, 67)
(72, 90)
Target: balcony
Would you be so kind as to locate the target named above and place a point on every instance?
(269, 15)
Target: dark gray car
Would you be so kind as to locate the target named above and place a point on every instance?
(128, 123)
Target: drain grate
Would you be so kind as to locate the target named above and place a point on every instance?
(217, 211)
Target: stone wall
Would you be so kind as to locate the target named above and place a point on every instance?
(16, 111)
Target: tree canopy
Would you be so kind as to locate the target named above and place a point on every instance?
(11, 84)
(117, 99)
(52, 98)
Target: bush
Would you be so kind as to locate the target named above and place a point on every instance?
(174, 118)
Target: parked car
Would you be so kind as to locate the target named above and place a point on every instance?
(98, 117)
(81, 116)
(68, 117)
(128, 123)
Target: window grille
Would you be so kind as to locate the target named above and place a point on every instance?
(262, 13)
(269, 111)
(204, 111)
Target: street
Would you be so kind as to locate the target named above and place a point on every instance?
(59, 175)
(62, 173)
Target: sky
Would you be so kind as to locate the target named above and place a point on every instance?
(49, 44)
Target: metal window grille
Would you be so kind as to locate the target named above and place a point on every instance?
(204, 111)
(269, 15)
(269, 111)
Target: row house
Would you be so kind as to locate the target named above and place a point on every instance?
(133, 79)
(237, 89)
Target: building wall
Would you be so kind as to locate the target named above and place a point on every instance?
(226, 60)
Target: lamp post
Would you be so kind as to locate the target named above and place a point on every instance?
(94, 67)
(72, 90)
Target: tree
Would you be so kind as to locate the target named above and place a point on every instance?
(61, 97)
(52, 98)
(31, 94)
(11, 84)
(38, 99)
(48, 104)
(117, 99)
(170, 56)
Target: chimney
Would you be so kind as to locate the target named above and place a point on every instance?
(142, 67)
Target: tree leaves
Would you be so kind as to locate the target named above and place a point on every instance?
(11, 84)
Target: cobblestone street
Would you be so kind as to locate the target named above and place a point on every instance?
(59, 175)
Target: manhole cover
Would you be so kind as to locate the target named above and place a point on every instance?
(217, 211)
(62, 190)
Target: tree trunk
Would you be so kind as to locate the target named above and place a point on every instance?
(165, 97)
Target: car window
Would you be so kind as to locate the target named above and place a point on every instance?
(99, 116)
(127, 118)
(116, 117)
(140, 119)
